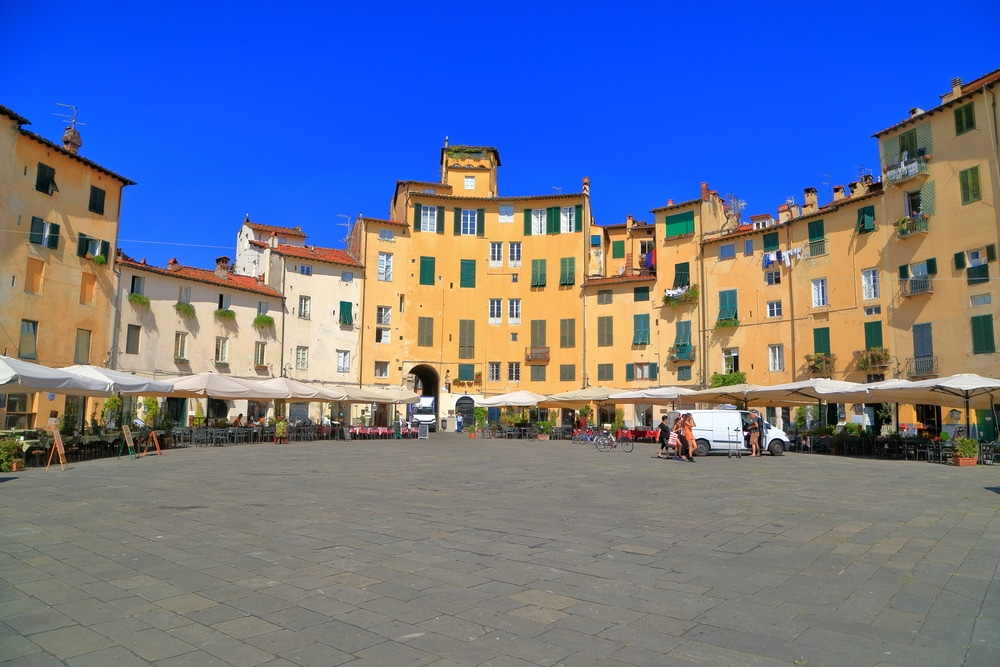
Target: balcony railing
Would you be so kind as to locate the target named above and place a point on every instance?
(816, 247)
(914, 224)
(871, 358)
(684, 352)
(904, 171)
(916, 285)
(536, 353)
(978, 274)
(917, 366)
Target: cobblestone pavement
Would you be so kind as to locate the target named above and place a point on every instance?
(453, 551)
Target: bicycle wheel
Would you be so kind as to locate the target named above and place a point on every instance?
(626, 443)
(603, 443)
(532, 434)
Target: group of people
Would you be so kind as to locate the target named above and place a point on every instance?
(679, 436)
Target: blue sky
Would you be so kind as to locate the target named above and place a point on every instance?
(301, 113)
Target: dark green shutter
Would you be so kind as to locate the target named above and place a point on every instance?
(873, 335)
(480, 222)
(770, 241)
(728, 306)
(959, 261)
(426, 270)
(821, 340)
(552, 220)
(346, 312)
(640, 293)
(53, 240)
(931, 266)
(578, 219)
(458, 222)
(866, 219)
(105, 249)
(37, 226)
(991, 253)
(682, 275)
(640, 329)
(527, 222)
(439, 223)
(467, 274)
(81, 245)
(904, 272)
(629, 372)
(418, 210)
(617, 250)
(816, 230)
(983, 341)
(653, 371)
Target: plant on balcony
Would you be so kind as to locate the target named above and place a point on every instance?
(100, 260)
(689, 297)
(263, 321)
(184, 308)
(873, 357)
(681, 353)
(140, 300)
(726, 324)
(727, 379)
(820, 363)
(225, 314)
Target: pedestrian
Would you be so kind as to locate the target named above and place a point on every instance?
(687, 425)
(458, 423)
(753, 433)
(678, 429)
(663, 437)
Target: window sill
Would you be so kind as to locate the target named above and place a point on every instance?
(222, 364)
(181, 360)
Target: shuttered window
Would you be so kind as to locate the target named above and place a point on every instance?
(982, 335)
(682, 275)
(727, 305)
(680, 224)
(567, 333)
(605, 331)
(770, 241)
(427, 270)
(873, 335)
(425, 331)
(969, 180)
(640, 293)
(538, 273)
(866, 219)
(640, 329)
(467, 277)
(346, 312)
(821, 340)
(537, 333)
(567, 271)
(965, 118)
(617, 250)
(466, 339)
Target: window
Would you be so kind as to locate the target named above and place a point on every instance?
(969, 180)
(538, 373)
(468, 222)
(496, 311)
(680, 224)
(305, 305)
(567, 372)
(538, 273)
(260, 354)
(221, 350)
(513, 277)
(605, 372)
(27, 345)
(683, 372)
(427, 270)
(466, 372)
(513, 371)
(567, 270)
(640, 293)
(567, 219)
(470, 182)
(305, 270)
(467, 273)
(980, 300)
(567, 333)
(383, 335)
(44, 233)
(911, 203)
(346, 313)
(88, 287)
(343, 361)
(466, 339)
(872, 310)
(682, 275)
(730, 360)
(923, 348)
(347, 276)
(381, 369)
(383, 315)
(869, 284)
(873, 335)
(772, 277)
(774, 308)
(747, 247)
(727, 305)
(682, 335)
(982, 335)
(776, 358)
(965, 119)
(513, 337)
(132, 339)
(262, 308)
(492, 371)
(223, 302)
(33, 276)
(908, 145)
(605, 331)
(513, 311)
(604, 296)
(184, 295)
(45, 180)
(506, 213)
(727, 251)
(425, 331)
(89, 247)
(386, 235)
(536, 221)
(181, 345)
(618, 250)
(81, 353)
(819, 293)
(646, 246)
(821, 340)
(640, 329)
(385, 266)
(770, 241)
(866, 220)
(137, 285)
(538, 333)
(817, 238)
(640, 372)
(514, 254)
(96, 201)
(496, 254)
(301, 358)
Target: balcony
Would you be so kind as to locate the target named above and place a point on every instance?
(913, 224)
(918, 366)
(536, 353)
(975, 275)
(904, 171)
(683, 352)
(871, 358)
(816, 247)
(820, 363)
(916, 285)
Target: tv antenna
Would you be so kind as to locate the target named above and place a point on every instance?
(73, 122)
(344, 224)
(734, 209)
(828, 183)
(863, 171)
(557, 189)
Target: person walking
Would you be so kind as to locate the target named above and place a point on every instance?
(663, 438)
(687, 425)
(682, 445)
(753, 432)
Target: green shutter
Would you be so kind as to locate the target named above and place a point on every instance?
(873, 335)
(629, 372)
(821, 340)
(426, 270)
(965, 119)
(991, 253)
(527, 222)
(982, 335)
(931, 266)
(683, 333)
(467, 273)
(567, 270)
(425, 331)
(928, 198)
(440, 220)
(640, 329)
(53, 240)
(346, 312)
(418, 210)
(480, 222)
(105, 250)
(904, 272)
(81, 245)
(617, 250)
(37, 227)
(866, 219)
(890, 151)
(538, 273)
(816, 231)
(680, 224)
(578, 219)
(552, 220)
(640, 293)
(457, 230)
(770, 241)
(727, 305)
(682, 275)
(653, 371)
(567, 333)
(969, 180)
(959, 261)
(537, 333)
(925, 139)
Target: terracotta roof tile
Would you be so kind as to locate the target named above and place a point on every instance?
(398, 223)
(281, 231)
(333, 255)
(231, 281)
(678, 205)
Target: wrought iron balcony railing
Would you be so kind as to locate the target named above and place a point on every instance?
(916, 285)
(917, 366)
(536, 353)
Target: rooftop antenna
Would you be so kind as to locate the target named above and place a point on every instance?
(344, 224)
(734, 209)
(557, 189)
(73, 122)
(863, 171)
(71, 137)
(828, 183)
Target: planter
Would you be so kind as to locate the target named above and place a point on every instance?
(16, 466)
(472, 434)
(543, 436)
(964, 462)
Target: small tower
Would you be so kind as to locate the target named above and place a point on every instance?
(471, 171)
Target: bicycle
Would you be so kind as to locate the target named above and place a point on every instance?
(583, 436)
(606, 441)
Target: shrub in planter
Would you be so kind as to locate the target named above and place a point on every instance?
(185, 309)
(263, 321)
(100, 260)
(137, 299)
(11, 454)
(225, 314)
(966, 452)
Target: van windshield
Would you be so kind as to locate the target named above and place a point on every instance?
(423, 410)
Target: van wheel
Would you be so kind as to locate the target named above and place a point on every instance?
(777, 448)
(702, 448)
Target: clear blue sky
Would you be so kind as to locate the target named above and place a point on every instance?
(297, 113)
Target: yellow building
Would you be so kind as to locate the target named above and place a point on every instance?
(59, 216)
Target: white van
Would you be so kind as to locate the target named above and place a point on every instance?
(721, 432)
(425, 412)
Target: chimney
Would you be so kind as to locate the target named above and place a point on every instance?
(586, 185)
(838, 192)
(172, 265)
(222, 267)
(812, 201)
(915, 111)
(670, 202)
(956, 90)
(71, 140)
(704, 191)
(784, 213)
(273, 241)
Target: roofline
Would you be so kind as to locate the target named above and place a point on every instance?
(944, 105)
(78, 158)
(680, 205)
(20, 120)
(570, 195)
(132, 264)
(355, 264)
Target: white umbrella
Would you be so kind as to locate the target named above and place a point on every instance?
(805, 391)
(34, 377)
(734, 393)
(295, 391)
(579, 397)
(653, 395)
(380, 395)
(517, 399)
(123, 383)
(213, 385)
(967, 389)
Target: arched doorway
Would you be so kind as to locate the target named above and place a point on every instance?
(426, 382)
(464, 406)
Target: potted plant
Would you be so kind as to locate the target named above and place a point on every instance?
(966, 452)
(479, 415)
(544, 429)
(585, 413)
(138, 300)
(11, 455)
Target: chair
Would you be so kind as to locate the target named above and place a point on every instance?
(987, 453)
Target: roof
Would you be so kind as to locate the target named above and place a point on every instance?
(398, 223)
(20, 120)
(231, 281)
(570, 195)
(280, 231)
(968, 90)
(332, 255)
(90, 163)
(461, 148)
(673, 206)
(598, 281)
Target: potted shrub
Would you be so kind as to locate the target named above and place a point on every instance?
(966, 452)
(544, 429)
(138, 300)
(184, 309)
(11, 455)
(263, 321)
(479, 415)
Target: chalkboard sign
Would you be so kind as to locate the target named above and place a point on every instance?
(422, 432)
(57, 445)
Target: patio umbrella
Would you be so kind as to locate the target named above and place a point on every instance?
(734, 393)
(967, 389)
(295, 391)
(202, 385)
(579, 397)
(123, 383)
(380, 395)
(521, 398)
(34, 377)
(806, 391)
(653, 395)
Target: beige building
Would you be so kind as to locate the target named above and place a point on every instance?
(59, 214)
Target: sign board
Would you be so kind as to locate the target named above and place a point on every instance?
(423, 431)
(57, 446)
